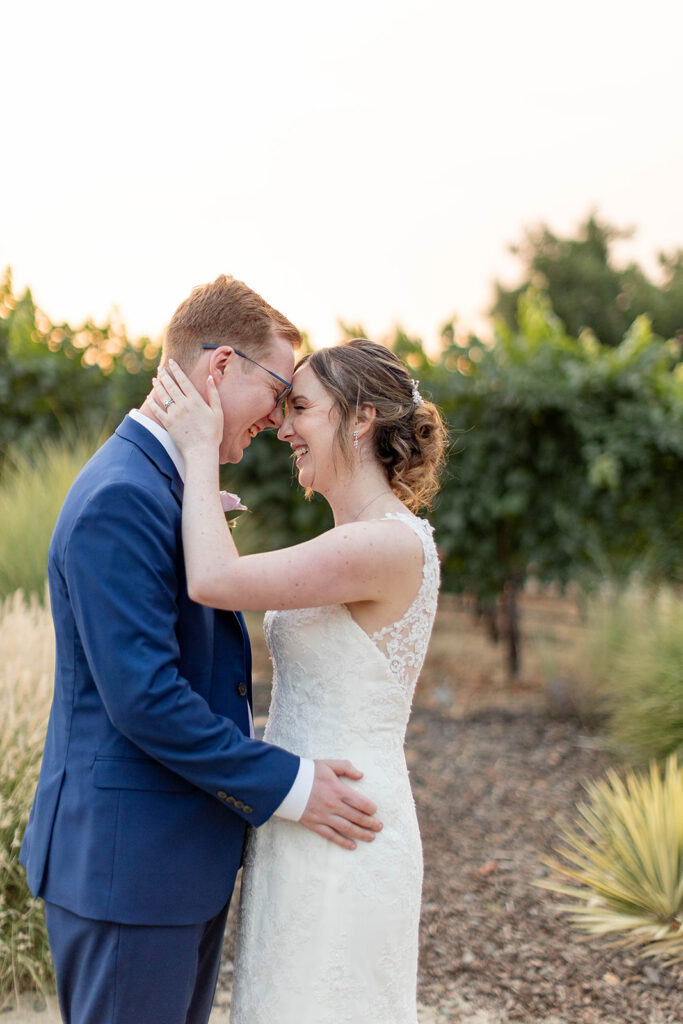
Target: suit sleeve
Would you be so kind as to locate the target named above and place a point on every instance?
(121, 571)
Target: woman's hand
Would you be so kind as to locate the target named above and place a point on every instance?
(191, 422)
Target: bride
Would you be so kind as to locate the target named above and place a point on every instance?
(326, 936)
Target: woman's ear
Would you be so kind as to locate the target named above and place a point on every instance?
(364, 418)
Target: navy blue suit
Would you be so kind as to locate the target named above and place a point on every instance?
(149, 777)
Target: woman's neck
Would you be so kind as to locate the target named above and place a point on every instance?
(362, 495)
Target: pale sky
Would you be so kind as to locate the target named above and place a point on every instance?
(369, 161)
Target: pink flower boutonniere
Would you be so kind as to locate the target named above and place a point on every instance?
(231, 503)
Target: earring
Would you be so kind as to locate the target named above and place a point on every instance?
(355, 439)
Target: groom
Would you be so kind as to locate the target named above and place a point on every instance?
(150, 773)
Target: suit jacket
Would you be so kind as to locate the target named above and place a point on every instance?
(148, 777)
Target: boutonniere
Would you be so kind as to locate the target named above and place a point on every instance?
(231, 503)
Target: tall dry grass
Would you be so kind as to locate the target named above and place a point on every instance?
(26, 674)
(32, 489)
(646, 680)
(33, 486)
(623, 672)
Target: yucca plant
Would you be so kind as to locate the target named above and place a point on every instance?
(26, 671)
(625, 858)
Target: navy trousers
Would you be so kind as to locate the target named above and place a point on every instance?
(111, 973)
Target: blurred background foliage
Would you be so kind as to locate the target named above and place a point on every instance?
(55, 378)
(566, 430)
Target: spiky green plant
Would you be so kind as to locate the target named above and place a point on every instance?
(625, 858)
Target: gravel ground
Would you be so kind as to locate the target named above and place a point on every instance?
(489, 791)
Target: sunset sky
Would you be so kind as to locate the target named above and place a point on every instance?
(369, 160)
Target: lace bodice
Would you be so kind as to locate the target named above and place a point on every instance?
(332, 679)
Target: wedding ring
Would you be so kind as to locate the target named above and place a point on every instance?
(168, 401)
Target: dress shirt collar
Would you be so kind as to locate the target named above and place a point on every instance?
(163, 437)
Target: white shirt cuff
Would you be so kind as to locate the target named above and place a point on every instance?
(294, 804)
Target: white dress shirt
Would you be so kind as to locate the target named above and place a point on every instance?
(294, 804)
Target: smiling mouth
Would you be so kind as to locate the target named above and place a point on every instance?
(298, 453)
(253, 431)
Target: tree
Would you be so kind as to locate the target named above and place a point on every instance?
(567, 459)
(588, 290)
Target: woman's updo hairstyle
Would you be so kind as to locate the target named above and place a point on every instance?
(408, 434)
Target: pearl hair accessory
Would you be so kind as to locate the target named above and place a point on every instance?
(417, 397)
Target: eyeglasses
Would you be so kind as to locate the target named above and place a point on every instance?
(287, 383)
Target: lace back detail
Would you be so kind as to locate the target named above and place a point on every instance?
(404, 642)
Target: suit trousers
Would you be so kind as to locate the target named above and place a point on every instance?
(110, 973)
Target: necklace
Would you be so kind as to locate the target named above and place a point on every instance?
(368, 504)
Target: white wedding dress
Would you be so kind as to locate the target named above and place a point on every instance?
(327, 935)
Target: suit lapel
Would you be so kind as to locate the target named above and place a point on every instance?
(145, 440)
(177, 487)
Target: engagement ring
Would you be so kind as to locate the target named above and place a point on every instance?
(168, 401)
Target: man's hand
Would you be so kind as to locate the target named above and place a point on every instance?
(336, 811)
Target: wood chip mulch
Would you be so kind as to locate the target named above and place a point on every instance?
(489, 790)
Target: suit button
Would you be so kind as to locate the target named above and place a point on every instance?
(239, 805)
(247, 809)
(242, 690)
(222, 795)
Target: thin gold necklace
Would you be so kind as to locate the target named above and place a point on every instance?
(369, 503)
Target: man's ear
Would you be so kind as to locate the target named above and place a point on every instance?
(364, 418)
(221, 361)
